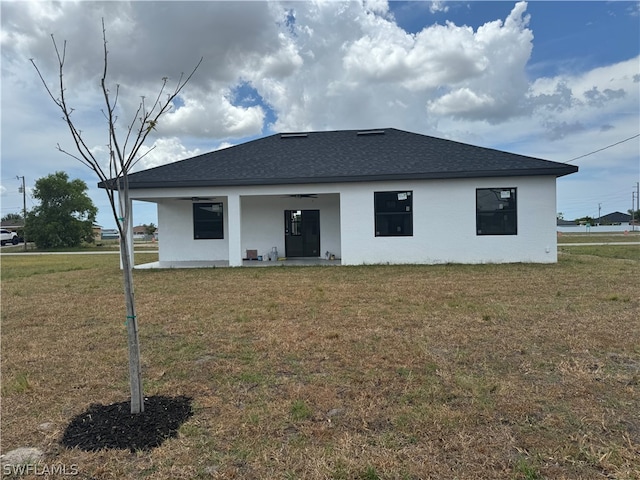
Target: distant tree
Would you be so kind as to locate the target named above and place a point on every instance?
(149, 229)
(14, 218)
(585, 220)
(65, 215)
(635, 214)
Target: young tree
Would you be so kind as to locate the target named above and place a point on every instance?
(150, 229)
(124, 153)
(65, 215)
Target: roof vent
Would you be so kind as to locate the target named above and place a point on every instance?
(292, 135)
(371, 132)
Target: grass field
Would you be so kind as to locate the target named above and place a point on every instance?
(376, 372)
(606, 237)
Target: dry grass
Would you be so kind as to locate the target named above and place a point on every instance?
(390, 372)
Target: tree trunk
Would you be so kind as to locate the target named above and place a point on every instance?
(135, 371)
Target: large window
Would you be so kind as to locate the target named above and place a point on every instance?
(207, 221)
(394, 214)
(496, 211)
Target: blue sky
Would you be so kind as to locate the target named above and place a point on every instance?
(554, 80)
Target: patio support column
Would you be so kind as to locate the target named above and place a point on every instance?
(233, 222)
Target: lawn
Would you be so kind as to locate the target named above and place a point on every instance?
(375, 372)
(606, 237)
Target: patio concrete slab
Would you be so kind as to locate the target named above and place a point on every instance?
(293, 262)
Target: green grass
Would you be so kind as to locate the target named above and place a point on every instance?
(516, 371)
(631, 252)
(607, 237)
(23, 266)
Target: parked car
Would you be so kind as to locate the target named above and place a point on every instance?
(7, 236)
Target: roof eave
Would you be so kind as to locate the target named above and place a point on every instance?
(557, 172)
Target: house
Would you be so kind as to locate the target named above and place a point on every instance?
(109, 234)
(561, 222)
(12, 225)
(615, 218)
(141, 232)
(364, 197)
(97, 232)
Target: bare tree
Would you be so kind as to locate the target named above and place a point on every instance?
(124, 153)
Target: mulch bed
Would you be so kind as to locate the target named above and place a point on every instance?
(113, 426)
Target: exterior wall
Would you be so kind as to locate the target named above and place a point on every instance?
(444, 224)
(175, 221)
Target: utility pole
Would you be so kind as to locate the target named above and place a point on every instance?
(23, 190)
(599, 216)
(633, 211)
(638, 196)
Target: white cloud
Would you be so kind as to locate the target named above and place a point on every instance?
(438, 6)
(603, 99)
(212, 114)
(352, 78)
(163, 151)
(462, 101)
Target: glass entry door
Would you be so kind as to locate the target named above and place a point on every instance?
(302, 233)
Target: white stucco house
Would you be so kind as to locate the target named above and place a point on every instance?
(365, 197)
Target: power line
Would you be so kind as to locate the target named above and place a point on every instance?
(604, 148)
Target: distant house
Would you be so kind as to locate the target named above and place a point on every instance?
(97, 232)
(140, 232)
(615, 218)
(560, 222)
(110, 234)
(365, 197)
(12, 225)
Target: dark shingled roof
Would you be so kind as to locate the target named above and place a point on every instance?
(343, 156)
(615, 217)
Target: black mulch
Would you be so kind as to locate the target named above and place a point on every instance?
(113, 426)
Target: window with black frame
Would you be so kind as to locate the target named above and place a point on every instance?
(496, 211)
(207, 221)
(393, 214)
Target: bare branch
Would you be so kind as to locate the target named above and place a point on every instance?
(85, 156)
(152, 118)
(46, 87)
(135, 162)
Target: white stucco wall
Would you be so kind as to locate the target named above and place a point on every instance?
(176, 242)
(444, 224)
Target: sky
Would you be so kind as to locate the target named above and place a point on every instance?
(553, 80)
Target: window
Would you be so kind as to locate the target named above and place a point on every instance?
(207, 221)
(496, 212)
(294, 222)
(394, 214)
